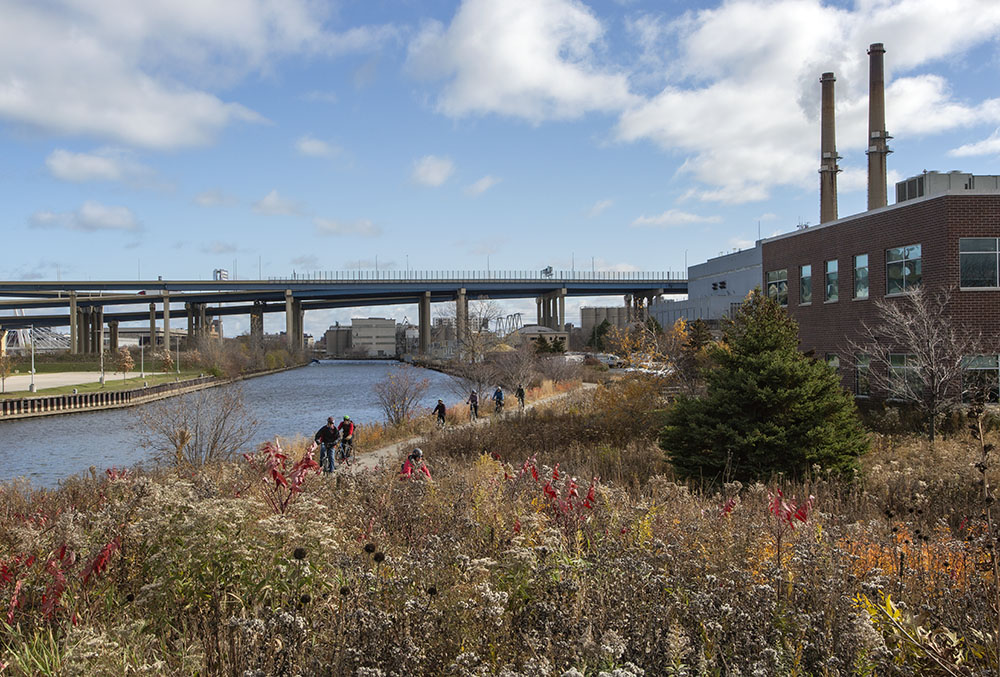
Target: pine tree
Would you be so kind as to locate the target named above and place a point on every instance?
(768, 408)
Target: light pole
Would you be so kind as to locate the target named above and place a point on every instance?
(178, 354)
(142, 359)
(100, 348)
(31, 335)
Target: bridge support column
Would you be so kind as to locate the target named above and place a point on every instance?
(152, 326)
(546, 312)
(98, 329)
(538, 311)
(291, 319)
(562, 310)
(88, 330)
(73, 328)
(113, 338)
(257, 323)
(3, 341)
(461, 317)
(424, 323)
(202, 320)
(166, 321)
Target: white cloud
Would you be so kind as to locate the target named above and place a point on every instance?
(362, 227)
(317, 95)
(313, 147)
(740, 243)
(214, 198)
(599, 207)
(139, 73)
(674, 217)
(742, 106)
(433, 171)
(532, 59)
(105, 164)
(988, 146)
(90, 217)
(275, 205)
(482, 185)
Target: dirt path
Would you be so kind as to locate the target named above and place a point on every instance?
(394, 453)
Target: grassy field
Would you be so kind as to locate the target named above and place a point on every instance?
(112, 382)
(551, 543)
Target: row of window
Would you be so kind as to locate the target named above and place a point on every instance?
(979, 264)
(980, 375)
(902, 272)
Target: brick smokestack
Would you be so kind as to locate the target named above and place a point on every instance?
(878, 139)
(828, 153)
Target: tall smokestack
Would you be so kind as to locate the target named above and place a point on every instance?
(828, 154)
(878, 139)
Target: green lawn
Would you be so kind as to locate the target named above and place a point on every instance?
(111, 383)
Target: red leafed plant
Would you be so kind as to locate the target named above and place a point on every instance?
(279, 484)
(784, 513)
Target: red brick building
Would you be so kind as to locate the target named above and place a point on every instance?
(943, 232)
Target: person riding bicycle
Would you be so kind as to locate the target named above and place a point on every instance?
(440, 411)
(414, 463)
(473, 403)
(519, 394)
(346, 429)
(326, 438)
(498, 398)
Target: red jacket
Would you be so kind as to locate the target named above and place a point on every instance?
(409, 468)
(346, 428)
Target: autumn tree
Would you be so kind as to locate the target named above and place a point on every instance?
(124, 362)
(768, 408)
(917, 354)
(399, 394)
(166, 360)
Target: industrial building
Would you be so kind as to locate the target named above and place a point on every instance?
(715, 288)
(374, 336)
(943, 233)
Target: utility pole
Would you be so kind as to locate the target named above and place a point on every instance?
(31, 334)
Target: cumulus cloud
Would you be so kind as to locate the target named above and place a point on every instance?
(674, 217)
(313, 147)
(482, 185)
(599, 207)
(90, 217)
(362, 227)
(531, 59)
(214, 198)
(275, 205)
(105, 164)
(140, 73)
(432, 171)
(742, 107)
(988, 146)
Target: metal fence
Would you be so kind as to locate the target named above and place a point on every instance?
(480, 276)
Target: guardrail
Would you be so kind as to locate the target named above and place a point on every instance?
(478, 276)
(27, 407)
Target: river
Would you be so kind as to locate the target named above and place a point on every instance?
(47, 449)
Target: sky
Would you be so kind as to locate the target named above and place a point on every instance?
(270, 137)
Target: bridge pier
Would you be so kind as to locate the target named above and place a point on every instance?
(424, 323)
(73, 328)
(152, 325)
(166, 321)
(97, 331)
(257, 323)
(294, 319)
(551, 309)
(113, 338)
(88, 330)
(461, 317)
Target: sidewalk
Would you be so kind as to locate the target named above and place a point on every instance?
(396, 451)
(19, 382)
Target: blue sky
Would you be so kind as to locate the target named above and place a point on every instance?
(172, 137)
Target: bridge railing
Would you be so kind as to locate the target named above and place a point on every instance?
(479, 276)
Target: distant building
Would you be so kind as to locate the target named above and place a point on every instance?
(220, 274)
(591, 317)
(534, 332)
(715, 288)
(337, 341)
(375, 336)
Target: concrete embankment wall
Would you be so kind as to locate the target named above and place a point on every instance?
(51, 405)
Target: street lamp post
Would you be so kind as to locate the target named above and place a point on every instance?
(100, 348)
(142, 360)
(178, 355)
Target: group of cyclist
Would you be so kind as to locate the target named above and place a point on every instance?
(336, 443)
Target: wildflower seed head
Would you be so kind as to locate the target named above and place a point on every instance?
(129, 597)
(379, 557)
(305, 598)
(369, 548)
(432, 591)
(345, 591)
(299, 553)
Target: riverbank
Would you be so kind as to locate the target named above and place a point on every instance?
(115, 397)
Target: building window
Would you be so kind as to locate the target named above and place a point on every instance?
(904, 381)
(833, 361)
(862, 375)
(981, 378)
(805, 284)
(831, 280)
(777, 286)
(902, 269)
(978, 259)
(861, 276)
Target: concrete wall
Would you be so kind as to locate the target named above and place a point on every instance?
(375, 335)
(740, 271)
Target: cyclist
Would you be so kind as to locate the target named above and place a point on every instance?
(440, 411)
(498, 399)
(473, 403)
(346, 429)
(326, 438)
(414, 463)
(519, 394)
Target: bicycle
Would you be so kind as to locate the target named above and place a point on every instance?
(498, 407)
(473, 411)
(345, 452)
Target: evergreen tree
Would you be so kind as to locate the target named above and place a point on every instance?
(768, 408)
(699, 336)
(542, 345)
(596, 340)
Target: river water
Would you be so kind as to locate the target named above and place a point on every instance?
(47, 449)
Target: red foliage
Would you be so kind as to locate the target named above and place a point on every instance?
(272, 464)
